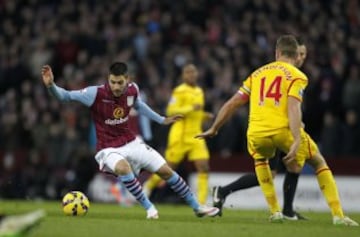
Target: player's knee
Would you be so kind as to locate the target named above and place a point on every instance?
(165, 172)
(317, 161)
(172, 165)
(202, 166)
(122, 167)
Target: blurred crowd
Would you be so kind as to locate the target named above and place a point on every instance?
(226, 39)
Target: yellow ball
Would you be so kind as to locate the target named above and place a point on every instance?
(75, 203)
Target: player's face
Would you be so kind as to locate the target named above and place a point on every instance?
(190, 74)
(117, 84)
(302, 52)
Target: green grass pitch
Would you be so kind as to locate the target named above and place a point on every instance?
(111, 220)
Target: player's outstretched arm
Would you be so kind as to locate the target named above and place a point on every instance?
(145, 110)
(226, 111)
(85, 96)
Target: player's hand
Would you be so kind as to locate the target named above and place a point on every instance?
(47, 75)
(172, 119)
(208, 133)
(290, 156)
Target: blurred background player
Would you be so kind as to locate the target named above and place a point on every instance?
(188, 100)
(19, 225)
(275, 92)
(220, 193)
(119, 152)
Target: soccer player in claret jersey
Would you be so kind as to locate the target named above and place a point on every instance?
(275, 92)
(188, 100)
(220, 193)
(118, 150)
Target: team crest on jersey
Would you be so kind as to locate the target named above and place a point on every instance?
(130, 100)
(118, 112)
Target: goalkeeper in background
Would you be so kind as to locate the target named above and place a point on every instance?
(187, 99)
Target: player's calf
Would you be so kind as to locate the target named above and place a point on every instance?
(218, 198)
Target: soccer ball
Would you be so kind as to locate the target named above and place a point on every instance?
(75, 203)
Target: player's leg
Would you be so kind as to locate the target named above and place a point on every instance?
(219, 193)
(152, 161)
(283, 141)
(113, 160)
(202, 168)
(132, 184)
(289, 189)
(308, 151)
(260, 148)
(329, 189)
(199, 154)
(263, 173)
(155, 180)
(174, 155)
(245, 181)
(180, 187)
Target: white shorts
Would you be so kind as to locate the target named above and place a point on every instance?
(137, 153)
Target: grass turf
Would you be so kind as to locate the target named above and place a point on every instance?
(175, 221)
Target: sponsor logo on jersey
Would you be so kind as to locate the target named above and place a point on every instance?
(116, 121)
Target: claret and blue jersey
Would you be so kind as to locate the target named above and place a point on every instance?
(110, 113)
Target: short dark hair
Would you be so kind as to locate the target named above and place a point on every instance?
(287, 45)
(118, 68)
(300, 40)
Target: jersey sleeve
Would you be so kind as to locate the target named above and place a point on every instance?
(144, 122)
(297, 88)
(137, 89)
(176, 106)
(246, 86)
(85, 96)
(145, 110)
